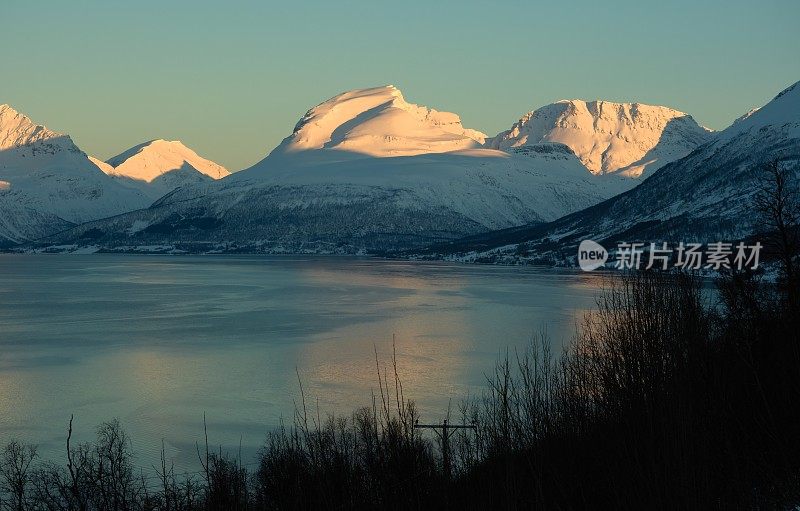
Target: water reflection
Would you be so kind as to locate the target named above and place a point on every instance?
(158, 341)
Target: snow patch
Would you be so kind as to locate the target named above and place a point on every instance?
(137, 226)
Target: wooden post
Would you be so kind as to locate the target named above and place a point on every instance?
(447, 430)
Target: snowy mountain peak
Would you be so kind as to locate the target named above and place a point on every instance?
(783, 111)
(378, 122)
(150, 160)
(625, 138)
(17, 130)
(49, 183)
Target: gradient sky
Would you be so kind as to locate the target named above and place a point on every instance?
(231, 79)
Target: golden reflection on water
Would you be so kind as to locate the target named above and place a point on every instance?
(432, 341)
(225, 337)
(155, 374)
(369, 275)
(12, 400)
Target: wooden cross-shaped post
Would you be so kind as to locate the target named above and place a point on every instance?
(447, 430)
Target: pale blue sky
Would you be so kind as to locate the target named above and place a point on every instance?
(232, 78)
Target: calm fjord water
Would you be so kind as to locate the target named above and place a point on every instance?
(157, 341)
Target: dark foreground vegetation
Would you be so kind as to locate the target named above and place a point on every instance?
(666, 399)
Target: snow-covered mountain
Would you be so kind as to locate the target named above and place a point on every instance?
(706, 196)
(630, 139)
(49, 184)
(159, 166)
(367, 171)
(376, 122)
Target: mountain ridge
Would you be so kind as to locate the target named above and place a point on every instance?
(366, 171)
(631, 139)
(706, 196)
(345, 158)
(50, 184)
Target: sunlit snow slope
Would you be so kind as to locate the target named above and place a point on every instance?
(630, 139)
(47, 183)
(159, 166)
